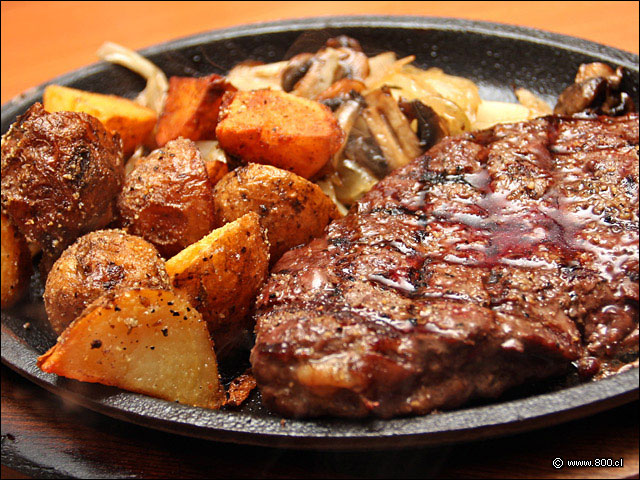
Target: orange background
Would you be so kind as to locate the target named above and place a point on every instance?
(41, 40)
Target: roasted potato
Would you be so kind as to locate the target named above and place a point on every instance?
(293, 210)
(98, 263)
(220, 276)
(143, 340)
(280, 129)
(133, 122)
(16, 264)
(192, 107)
(215, 160)
(167, 198)
(61, 175)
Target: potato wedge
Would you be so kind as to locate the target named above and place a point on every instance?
(97, 263)
(167, 199)
(133, 122)
(192, 107)
(220, 276)
(143, 340)
(292, 209)
(279, 129)
(16, 264)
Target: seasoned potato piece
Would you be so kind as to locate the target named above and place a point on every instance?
(167, 198)
(279, 129)
(216, 169)
(143, 340)
(292, 209)
(95, 264)
(220, 276)
(133, 122)
(61, 175)
(16, 264)
(215, 160)
(192, 107)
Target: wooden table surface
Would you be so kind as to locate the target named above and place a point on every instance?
(41, 40)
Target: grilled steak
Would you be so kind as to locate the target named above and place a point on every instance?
(497, 258)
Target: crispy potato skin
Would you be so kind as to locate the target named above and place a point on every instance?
(16, 264)
(134, 123)
(167, 198)
(143, 340)
(61, 174)
(192, 107)
(279, 129)
(98, 263)
(220, 276)
(293, 210)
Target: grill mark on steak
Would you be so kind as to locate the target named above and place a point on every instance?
(499, 257)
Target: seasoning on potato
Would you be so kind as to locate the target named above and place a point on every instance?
(167, 198)
(61, 175)
(98, 263)
(293, 210)
(16, 264)
(280, 129)
(133, 122)
(143, 340)
(220, 276)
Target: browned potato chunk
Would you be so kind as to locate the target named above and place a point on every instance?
(279, 129)
(61, 174)
(143, 340)
(167, 198)
(220, 276)
(292, 209)
(16, 264)
(98, 263)
(215, 160)
(192, 107)
(216, 170)
(133, 122)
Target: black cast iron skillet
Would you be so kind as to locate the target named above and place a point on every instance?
(496, 57)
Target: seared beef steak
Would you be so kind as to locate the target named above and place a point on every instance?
(497, 258)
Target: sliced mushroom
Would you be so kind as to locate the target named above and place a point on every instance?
(321, 74)
(597, 69)
(309, 76)
(621, 105)
(256, 76)
(362, 148)
(431, 128)
(579, 96)
(596, 90)
(296, 68)
(391, 129)
(354, 64)
(347, 114)
(346, 110)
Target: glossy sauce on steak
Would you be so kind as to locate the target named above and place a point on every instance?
(499, 257)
